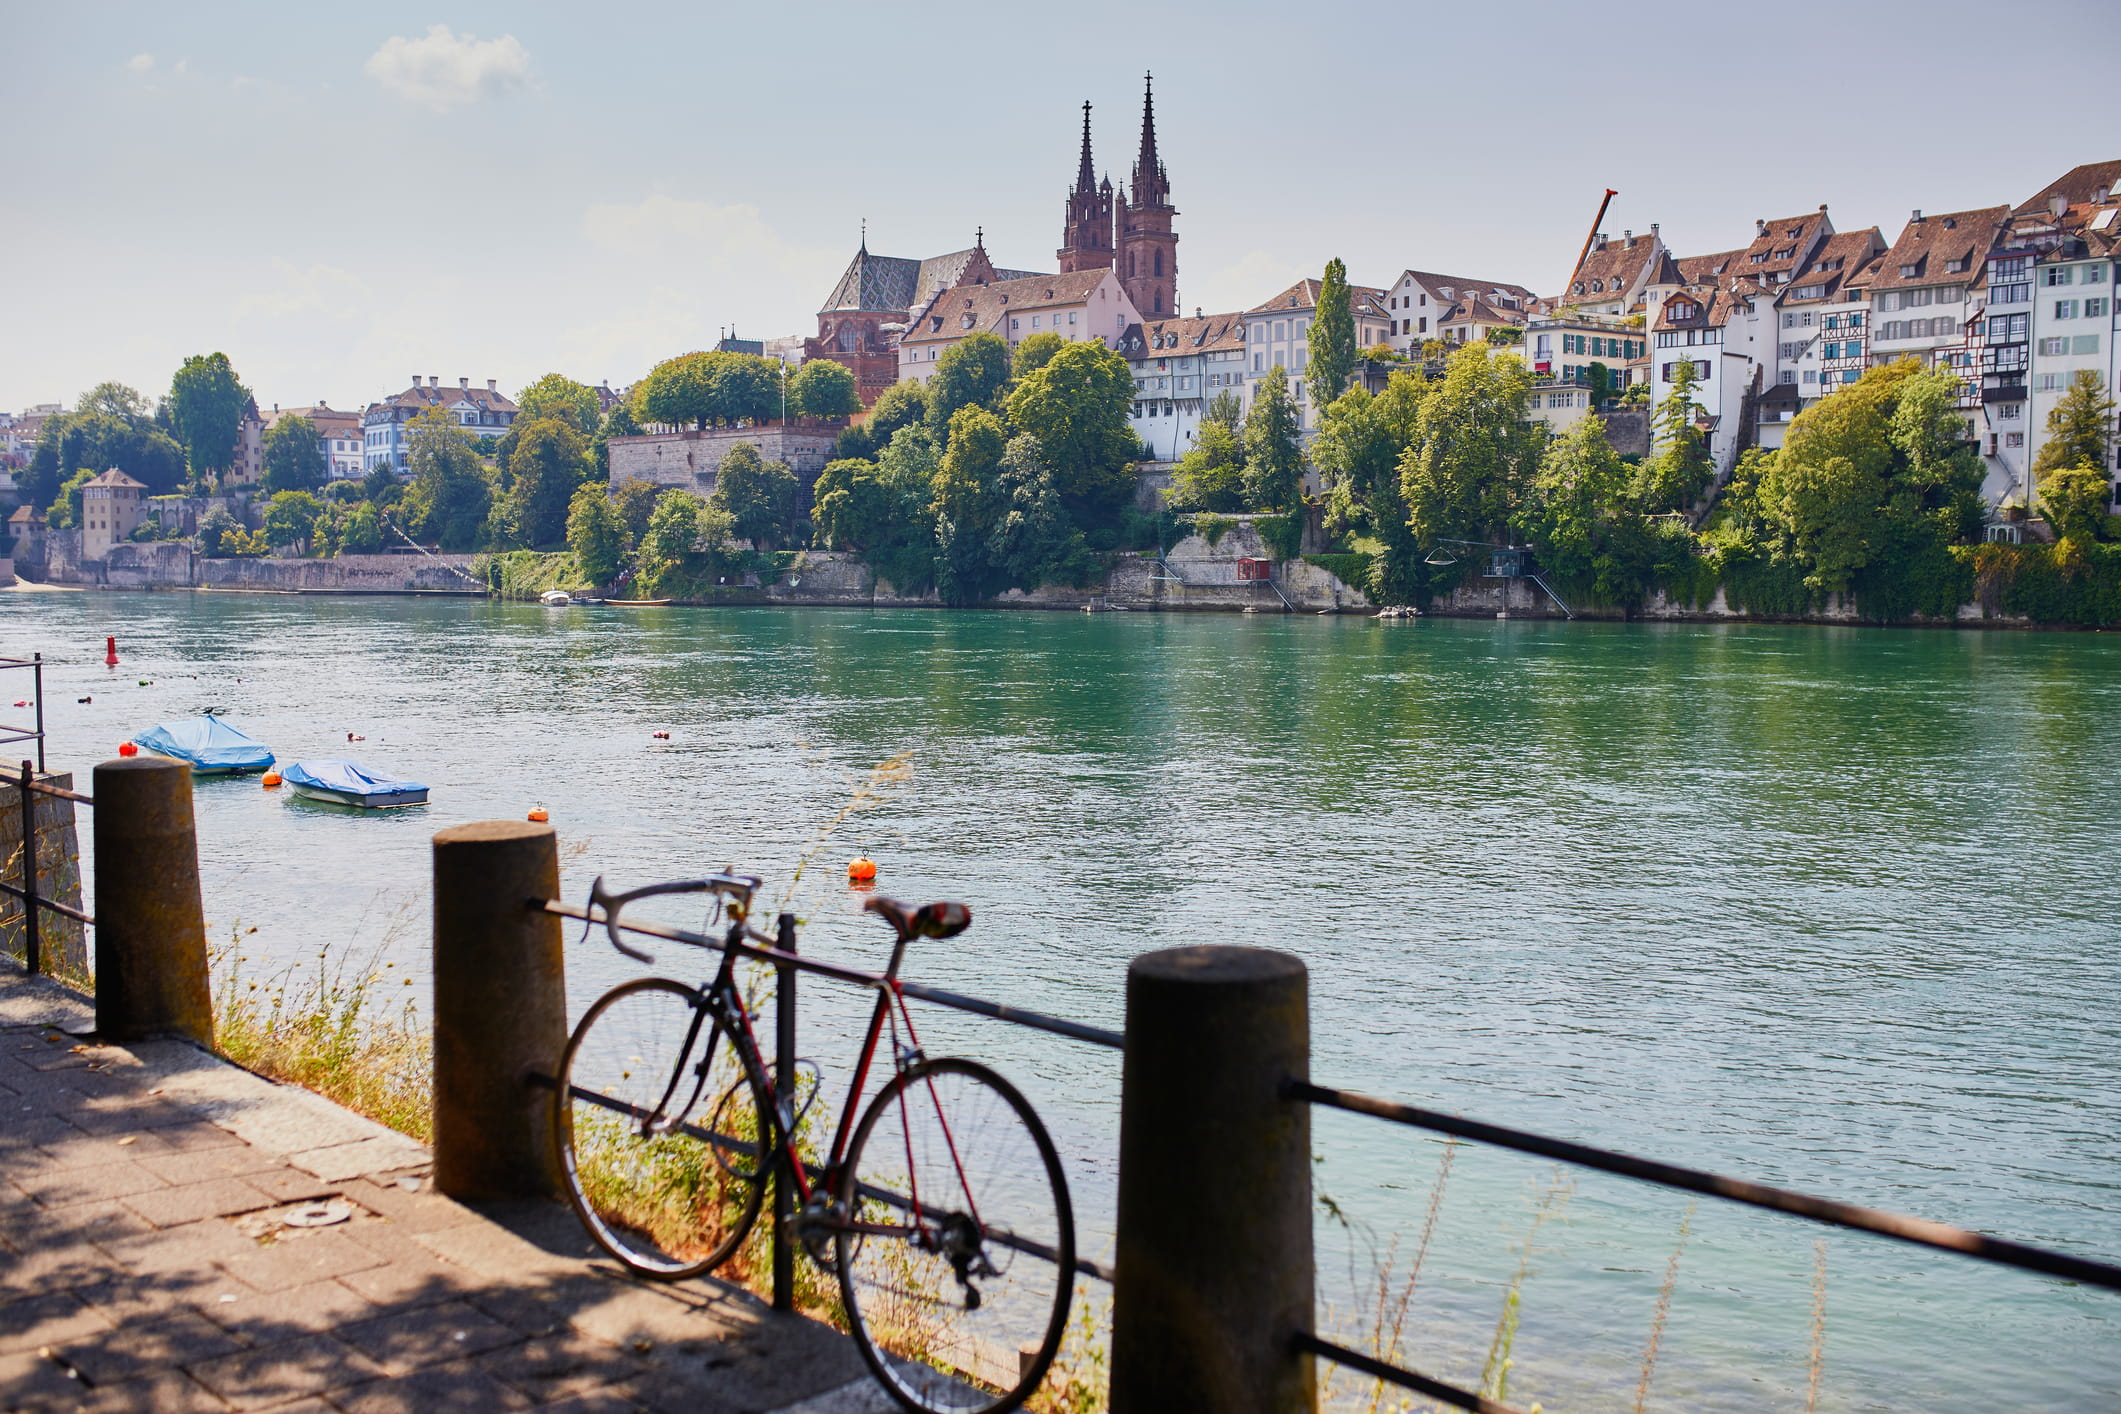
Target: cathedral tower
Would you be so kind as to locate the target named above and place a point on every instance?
(1086, 239)
(1148, 247)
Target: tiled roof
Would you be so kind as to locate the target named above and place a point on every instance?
(428, 395)
(1931, 244)
(1184, 336)
(1479, 311)
(1446, 288)
(1702, 269)
(987, 305)
(1714, 304)
(1612, 266)
(115, 477)
(2080, 185)
(1845, 254)
(1779, 244)
(1303, 295)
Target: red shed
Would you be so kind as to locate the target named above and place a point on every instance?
(1250, 568)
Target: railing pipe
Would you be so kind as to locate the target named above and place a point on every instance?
(784, 1100)
(32, 932)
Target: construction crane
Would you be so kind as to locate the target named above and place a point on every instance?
(1596, 222)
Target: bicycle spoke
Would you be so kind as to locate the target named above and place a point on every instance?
(957, 1258)
(659, 1131)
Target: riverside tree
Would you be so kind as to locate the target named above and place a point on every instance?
(1274, 462)
(619, 422)
(964, 503)
(1475, 450)
(596, 535)
(101, 434)
(206, 405)
(973, 372)
(1211, 475)
(1035, 352)
(1331, 337)
(1681, 469)
(294, 458)
(548, 463)
(902, 403)
(2078, 437)
(881, 509)
(558, 396)
(759, 497)
(1077, 406)
(1361, 444)
(450, 496)
(823, 388)
(291, 518)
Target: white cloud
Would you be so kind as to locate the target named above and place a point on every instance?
(140, 63)
(441, 70)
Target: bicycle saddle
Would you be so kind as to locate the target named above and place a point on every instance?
(931, 920)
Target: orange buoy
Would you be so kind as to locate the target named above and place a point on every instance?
(272, 778)
(861, 869)
(110, 650)
(126, 748)
(539, 815)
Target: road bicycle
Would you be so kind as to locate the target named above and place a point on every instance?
(943, 1213)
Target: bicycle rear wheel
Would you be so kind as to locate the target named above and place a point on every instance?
(660, 1131)
(956, 1242)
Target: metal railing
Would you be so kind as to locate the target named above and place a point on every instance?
(787, 962)
(1922, 1232)
(9, 735)
(32, 929)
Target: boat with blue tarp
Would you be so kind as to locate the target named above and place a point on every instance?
(212, 746)
(346, 783)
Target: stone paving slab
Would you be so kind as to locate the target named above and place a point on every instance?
(144, 1265)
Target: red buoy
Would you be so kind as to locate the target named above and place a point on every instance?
(126, 748)
(110, 651)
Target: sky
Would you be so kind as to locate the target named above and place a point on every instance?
(340, 197)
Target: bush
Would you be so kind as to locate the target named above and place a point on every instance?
(1351, 568)
(1284, 535)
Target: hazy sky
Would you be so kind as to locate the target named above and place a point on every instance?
(341, 196)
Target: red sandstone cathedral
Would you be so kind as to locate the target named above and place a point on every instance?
(1129, 232)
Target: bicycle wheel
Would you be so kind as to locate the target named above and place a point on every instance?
(645, 1081)
(956, 1241)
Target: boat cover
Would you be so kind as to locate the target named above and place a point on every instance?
(346, 778)
(209, 743)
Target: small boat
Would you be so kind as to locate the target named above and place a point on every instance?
(212, 746)
(637, 603)
(555, 599)
(344, 783)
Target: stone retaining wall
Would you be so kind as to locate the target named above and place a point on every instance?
(689, 461)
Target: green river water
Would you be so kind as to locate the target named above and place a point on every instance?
(1834, 908)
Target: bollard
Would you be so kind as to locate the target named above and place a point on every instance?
(1214, 1254)
(500, 1010)
(151, 972)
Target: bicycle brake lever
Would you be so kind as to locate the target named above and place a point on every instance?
(611, 906)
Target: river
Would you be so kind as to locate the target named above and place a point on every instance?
(1828, 907)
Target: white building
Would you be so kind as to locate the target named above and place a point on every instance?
(2073, 324)
(1179, 367)
(1277, 335)
(1415, 305)
(1822, 320)
(111, 509)
(1085, 304)
(385, 430)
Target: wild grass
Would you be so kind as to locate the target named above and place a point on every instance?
(1552, 1202)
(331, 1030)
(1662, 1313)
(1817, 1362)
(1390, 1292)
(1081, 1377)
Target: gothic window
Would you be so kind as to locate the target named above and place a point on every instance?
(1159, 302)
(1159, 269)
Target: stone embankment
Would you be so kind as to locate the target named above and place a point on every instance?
(175, 564)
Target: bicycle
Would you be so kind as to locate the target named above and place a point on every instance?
(943, 1213)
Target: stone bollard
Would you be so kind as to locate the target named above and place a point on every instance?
(500, 1010)
(151, 972)
(1214, 1255)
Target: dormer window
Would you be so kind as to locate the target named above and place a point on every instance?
(1956, 266)
(1908, 272)
(1579, 287)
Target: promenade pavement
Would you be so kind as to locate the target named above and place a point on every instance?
(156, 1254)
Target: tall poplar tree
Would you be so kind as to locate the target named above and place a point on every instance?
(1331, 337)
(1274, 463)
(206, 405)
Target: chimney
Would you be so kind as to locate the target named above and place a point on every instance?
(1917, 216)
(2057, 204)
(1759, 227)
(1655, 228)
(415, 380)
(1822, 208)
(491, 389)
(464, 383)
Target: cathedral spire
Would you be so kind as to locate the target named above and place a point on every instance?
(1086, 179)
(1150, 188)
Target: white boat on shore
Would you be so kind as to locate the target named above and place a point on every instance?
(555, 599)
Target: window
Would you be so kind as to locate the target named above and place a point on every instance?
(1789, 376)
(2051, 348)
(1279, 358)
(1811, 375)
(1908, 272)
(2009, 412)
(1789, 321)
(2095, 274)
(2065, 309)
(2006, 328)
(2085, 344)
(2011, 294)
(1071, 316)
(2050, 382)
(1423, 321)
(1850, 375)
(1034, 321)
(1259, 363)
(2056, 275)
(1281, 329)
(2095, 309)
(1855, 321)
(2014, 439)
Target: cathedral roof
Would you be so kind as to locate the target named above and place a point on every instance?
(894, 284)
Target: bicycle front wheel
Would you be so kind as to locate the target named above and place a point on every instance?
(660, 1130)
(956, 1241)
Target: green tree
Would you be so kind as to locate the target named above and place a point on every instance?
(619, 422)
(746, 387)
(294, 459)
(1034, 353)
(1032, 541)
(2079, 434)
(1211, 475)
(66, 507)
(556, 396)
(206, 408)
(1077, 406)
(1361, 443)
(215, 528)
(635, 499)
(759, 497)
(1582, 520)
(1475, 450)
(672, 538)
(549, 462)
(101, 440)
(450, 494)
(883, 510)
(965, 488)
(381, 485)
(1274, 461)
(596, 535)
(1680, 468)
(899, 405)
(678, 392)
(114, 400)
(363, 534)
(823, 388)
(2076, 500)
(291, 519)
(1601, 385)
(1331, 337)
(972, 372)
